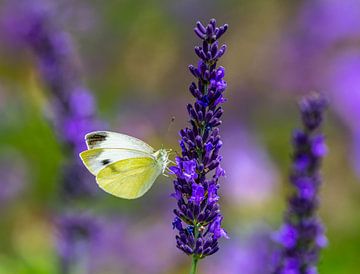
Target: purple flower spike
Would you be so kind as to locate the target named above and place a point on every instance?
(302, 236)
(198, 218)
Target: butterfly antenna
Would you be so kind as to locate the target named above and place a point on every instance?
(169, 127)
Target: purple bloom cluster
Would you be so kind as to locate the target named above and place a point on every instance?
(198, 219)
(302, 234)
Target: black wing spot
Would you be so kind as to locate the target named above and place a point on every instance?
(105, 162)
(96, 138)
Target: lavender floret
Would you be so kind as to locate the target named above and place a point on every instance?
(198, 170)
(301, 237)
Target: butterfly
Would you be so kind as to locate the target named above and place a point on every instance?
(124, 166)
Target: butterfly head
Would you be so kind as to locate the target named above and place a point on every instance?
(162, 156)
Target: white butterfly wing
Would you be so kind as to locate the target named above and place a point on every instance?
(98, 158)
(108, 139)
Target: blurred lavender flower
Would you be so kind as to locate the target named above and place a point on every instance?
(302, 234)
(31, 23)
(77, 233)
(248, 164)
(198, 219)
(73, 106)
(343, 83)
(343, 18)
(318, 48)
(123, 241)
(321, 29)
(249, 255)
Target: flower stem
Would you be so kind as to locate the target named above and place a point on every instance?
(194, 265)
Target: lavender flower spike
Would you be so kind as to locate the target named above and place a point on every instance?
(198, 218)
(302, 235)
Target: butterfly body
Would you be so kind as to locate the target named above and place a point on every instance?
(124, 166)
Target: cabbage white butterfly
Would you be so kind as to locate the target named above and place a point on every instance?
(124, 166)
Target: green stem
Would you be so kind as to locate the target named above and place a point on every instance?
(194, 265)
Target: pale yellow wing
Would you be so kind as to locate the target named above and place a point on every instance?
(98, 158)
(129, 178)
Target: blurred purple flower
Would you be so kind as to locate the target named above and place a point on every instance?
(77, 233)
(124, 246)
(331, 20)
(318, 146)
(306, 187)
(198, 218)
(249, 167)
(343, 83)
(287, 236)
(250, 255)
(291, 266)
(302, 236)
(321, 27)
(320, 52)
(32, 24)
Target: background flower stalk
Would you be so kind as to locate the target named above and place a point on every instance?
(302, 235)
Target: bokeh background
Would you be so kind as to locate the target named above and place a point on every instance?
(132, 57)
